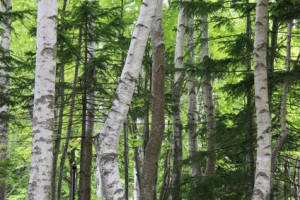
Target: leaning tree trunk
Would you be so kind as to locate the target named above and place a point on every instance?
(262, 183)
(108, 139)
(6, 7)
(150, 164)
(176, 93)
(208, 102)
(43, 112)
(193, 101)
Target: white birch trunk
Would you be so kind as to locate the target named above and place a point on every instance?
(99, 185)
(193, 101)
(6, 7)
(139, 155)
(176, 93)
(208, 102)
(262, 183)
(108, 140)
(43, 112)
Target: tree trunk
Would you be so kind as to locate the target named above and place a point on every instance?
(107, 142)
(283, 111)
(176, 93)
(208, 102)
(6, 7)
(89, 81)
(250, 127)
(72, 183)
(193, 101)
(164, 193)
(57, 140)
(43, 113)
(150, 164)
(262, 183)
(126, 161)
(70, 124)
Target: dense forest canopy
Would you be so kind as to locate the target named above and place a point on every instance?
(152, 99)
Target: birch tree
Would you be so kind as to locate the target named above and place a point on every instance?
(192, 93)
(108, 138)
(6, 7)
(43, 112)
(208, 101)
(261, 189)
(176, 93)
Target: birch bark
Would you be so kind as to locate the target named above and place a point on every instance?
(151, 157)
(108, 139)
(208, 102)
(43, 112)
(192, 104)
(262, 183)
(176, 118)
(6, 7)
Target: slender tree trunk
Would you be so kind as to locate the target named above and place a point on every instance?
(136, 174)
(193, 101)
(176, 118)
(107, 144)
(138, 159)
(150, 164)
(208, 102)
(43, 113)
(250, 135)
(59, 133)
(70, 124)
(297, 179)
(88, 117)
(283, 111)
(6, 7)
(262, 183)
(164, 193)
(60, 120)
(71, 183)
(126, 160)
(271, 56)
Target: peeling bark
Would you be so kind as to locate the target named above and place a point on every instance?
(176, 118)
(262, 183)
(43, 112)
(108, 139)
(193, 101)
(208, 102)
